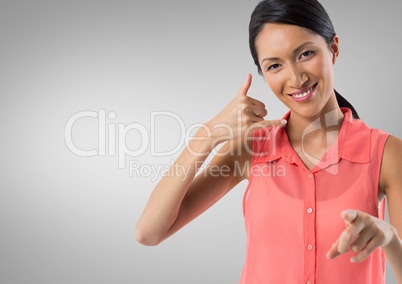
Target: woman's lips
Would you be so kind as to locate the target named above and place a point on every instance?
(305, 96)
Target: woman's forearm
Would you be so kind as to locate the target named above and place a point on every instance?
(393, 253)
(165, 201)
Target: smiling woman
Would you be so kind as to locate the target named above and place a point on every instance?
(322, 220)
(300, 69)
(317, 23)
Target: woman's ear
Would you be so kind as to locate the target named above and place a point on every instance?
(335, 48)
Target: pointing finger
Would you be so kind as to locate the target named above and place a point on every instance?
(333, 252)
(348, 236)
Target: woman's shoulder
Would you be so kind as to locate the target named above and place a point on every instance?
(392, 156)
(391, 163)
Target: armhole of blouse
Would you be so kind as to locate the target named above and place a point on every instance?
(380, 143)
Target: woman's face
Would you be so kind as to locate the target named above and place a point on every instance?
(297, 64)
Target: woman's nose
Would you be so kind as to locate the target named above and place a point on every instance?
(297, 78)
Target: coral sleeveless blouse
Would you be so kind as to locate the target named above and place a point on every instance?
(292, 214)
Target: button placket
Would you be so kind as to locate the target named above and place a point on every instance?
(309, 229)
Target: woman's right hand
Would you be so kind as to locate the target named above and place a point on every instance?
(240, 117)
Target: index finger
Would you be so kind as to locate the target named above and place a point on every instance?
(333, 251)
(348, 236)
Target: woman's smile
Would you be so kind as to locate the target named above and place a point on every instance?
(304, 95)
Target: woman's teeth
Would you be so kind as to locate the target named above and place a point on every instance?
(304, 94)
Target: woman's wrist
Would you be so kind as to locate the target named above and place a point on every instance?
(395, 242)
(202, 143)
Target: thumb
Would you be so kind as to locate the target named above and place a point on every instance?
(349, 216)
(246, 85)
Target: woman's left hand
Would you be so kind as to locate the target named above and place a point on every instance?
(364, 233)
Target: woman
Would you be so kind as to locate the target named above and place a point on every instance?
(317, 178)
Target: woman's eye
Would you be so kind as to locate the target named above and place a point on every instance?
(307, 54)
(273, 67)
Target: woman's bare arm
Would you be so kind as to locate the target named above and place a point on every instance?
(216, 180)
(180, 196)
(364, 232)
(391, 178)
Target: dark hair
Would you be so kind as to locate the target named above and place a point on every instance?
(309, 14)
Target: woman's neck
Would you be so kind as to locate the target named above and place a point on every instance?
(314, 127)
(313, 136)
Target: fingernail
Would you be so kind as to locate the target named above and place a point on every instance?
(284, 121)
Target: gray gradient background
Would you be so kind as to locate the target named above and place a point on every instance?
(70, 219)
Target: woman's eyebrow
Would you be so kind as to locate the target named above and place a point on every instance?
(295, 51)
